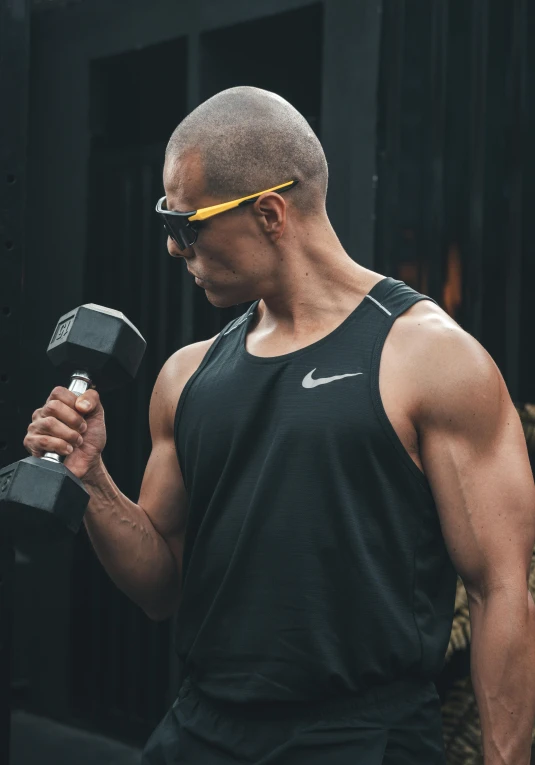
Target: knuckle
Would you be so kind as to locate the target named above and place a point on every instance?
(36, 414)
(51, 407)
(49, 444)
(32, 446)
(48, 423)
(57, 392)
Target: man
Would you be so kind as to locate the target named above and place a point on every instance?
(320, 471)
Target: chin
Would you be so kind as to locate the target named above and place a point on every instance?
(222, 302)
(226, 300)
(218, 302)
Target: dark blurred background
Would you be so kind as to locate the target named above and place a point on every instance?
(426, 112)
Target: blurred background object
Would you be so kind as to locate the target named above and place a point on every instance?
(424, 108)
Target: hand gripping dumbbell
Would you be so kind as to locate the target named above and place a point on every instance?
(95, 346)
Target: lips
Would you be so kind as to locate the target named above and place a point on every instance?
(198, 279)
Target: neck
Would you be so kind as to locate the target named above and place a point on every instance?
(314, 283)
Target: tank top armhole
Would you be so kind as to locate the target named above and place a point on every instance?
(380, 411)
(187, 387)
(191, 380)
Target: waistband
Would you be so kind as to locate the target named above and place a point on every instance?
(377, 698)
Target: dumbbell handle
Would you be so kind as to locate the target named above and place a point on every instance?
(80, 382)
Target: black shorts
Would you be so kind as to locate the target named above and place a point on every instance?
(399, 724)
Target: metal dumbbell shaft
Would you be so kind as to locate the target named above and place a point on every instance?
(80, 382)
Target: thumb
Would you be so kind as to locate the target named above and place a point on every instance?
(83, 404)
(88, 402)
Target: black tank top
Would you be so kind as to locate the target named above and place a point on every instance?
(314, 564)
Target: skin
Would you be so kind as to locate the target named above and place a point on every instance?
(444, 395)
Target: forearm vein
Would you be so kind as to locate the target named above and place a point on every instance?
(133, 553)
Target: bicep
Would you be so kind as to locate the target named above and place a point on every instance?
(163, 496)
(485, 500)
(475, 457)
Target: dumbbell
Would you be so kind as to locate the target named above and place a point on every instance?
(94, 346)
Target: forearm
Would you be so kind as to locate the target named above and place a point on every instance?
(503, 674)
(135, 556)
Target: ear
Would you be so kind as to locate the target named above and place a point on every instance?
(270, 211)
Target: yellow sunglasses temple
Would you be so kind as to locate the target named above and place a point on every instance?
(207, 212)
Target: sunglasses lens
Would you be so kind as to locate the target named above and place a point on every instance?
(184, 236)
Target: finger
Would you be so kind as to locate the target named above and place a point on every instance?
(88, 402)
(38, 445)
(63, 413)
(49, 426)
(34, 452)
(62, 394)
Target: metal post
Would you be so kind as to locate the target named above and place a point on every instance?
(519, 133)
(388, 135)
(480, 12)
(435, 241)
(14, 47)
(351, 45)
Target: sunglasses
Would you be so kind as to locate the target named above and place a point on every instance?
(182, 226)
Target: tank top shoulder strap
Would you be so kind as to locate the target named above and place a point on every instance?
(393, 297)
(235, 323)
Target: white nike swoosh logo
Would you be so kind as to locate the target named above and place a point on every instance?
(308, 382)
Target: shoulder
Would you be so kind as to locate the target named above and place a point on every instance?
(170, 383)
(449, 374)
(183, 363)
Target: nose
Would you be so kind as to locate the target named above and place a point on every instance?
(174, 250)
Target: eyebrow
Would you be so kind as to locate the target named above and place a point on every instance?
(174, 209)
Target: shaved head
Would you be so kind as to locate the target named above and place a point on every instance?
(249, 140)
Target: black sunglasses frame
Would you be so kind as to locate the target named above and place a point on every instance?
(184, 232)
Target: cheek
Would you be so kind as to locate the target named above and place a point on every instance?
(215, 242)
(232, 250)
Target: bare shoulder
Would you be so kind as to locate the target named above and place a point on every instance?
(426, 319)
(170, 383)
(446, 372)
(184, 362)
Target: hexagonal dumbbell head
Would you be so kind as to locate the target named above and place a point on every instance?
(41, 498)
(100, 341)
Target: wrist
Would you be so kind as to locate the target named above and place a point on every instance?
(95, 473)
